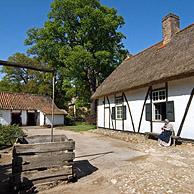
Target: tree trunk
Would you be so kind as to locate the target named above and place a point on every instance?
(93, 105)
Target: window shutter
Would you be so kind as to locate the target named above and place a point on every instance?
(170, 111)
(113, 113)
(124, 116)
(148, 112)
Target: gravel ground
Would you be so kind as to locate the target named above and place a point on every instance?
(116, 162)
(161, 170)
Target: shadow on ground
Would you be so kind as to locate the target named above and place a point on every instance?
(83, 168)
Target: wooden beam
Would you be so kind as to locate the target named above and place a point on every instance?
(110, 114)
(151, 122)
(43, 176)
(17, 65)
(104, 112)
(129, 111)
(43, 147)
(44, 160)
(143, 108)
(123, 122)
(115, 112)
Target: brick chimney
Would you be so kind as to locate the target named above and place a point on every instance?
(170, 26)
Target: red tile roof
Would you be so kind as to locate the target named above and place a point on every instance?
(23, 101)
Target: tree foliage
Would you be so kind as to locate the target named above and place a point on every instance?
(25, 80)
(81, 41)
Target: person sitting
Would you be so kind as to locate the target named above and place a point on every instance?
(164, 139)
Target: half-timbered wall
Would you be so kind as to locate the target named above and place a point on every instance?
(178, 91)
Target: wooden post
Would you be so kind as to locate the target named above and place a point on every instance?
(53, 101)
(151, 100)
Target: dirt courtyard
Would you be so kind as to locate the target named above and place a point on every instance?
(114, 162)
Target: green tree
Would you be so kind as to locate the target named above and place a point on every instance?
(81, 41)
(25, 80)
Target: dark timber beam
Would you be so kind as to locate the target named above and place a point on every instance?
(110, 114)
(17, 65)
(115, 113)
(148, 92)
(129, 111)
(151, 122)
(123, 122)
(104, 112)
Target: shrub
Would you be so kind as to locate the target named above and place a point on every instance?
(69, 121)
(8, 134)
(91, 119)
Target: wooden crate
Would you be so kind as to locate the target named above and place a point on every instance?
(36, 160)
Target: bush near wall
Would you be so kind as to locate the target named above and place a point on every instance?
(8, 134)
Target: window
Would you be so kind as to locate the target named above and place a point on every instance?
(159, 105)
(160, 109)
(159, 95)
(119, 111)
(118, 100)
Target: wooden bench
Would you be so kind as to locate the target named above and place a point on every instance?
(149, 135)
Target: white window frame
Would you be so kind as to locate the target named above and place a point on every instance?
(119, 107)
(158, 96)
(119, 112)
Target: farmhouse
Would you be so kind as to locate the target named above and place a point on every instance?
(28, 109)
(152, 85)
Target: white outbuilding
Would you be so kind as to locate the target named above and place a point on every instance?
(28, 109)
(153, 85)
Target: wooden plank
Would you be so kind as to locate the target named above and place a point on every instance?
(54, 172)
(51, 179)
(43, 147)
(45, 139)
(48, 175)
(31, 162)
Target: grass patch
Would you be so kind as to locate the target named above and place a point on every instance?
(80, 126)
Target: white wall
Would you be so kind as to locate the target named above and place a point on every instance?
(100, 113)
(41, 117)
(24, 117)
(58, 119)
(178, 91)
(5, 118)
(135, 100)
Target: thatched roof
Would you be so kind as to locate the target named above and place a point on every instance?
(156, 64)
(23, 101)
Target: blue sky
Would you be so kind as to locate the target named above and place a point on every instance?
(142, 21)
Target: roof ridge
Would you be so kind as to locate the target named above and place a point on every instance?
(182, 30)
(189, 26)
(23, 93)
(148, 66)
